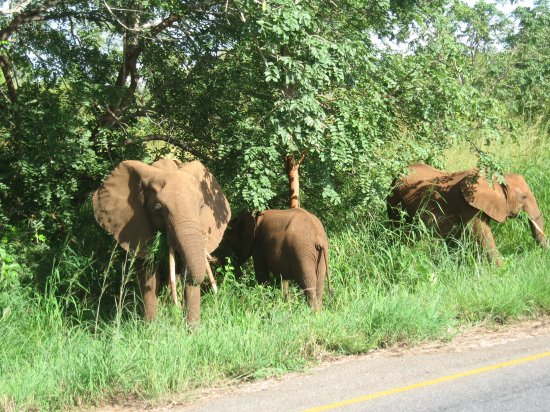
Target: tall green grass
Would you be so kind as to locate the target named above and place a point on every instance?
(68, 346)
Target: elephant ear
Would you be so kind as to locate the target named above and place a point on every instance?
(215, 212)
(479, 194)
(118, 206)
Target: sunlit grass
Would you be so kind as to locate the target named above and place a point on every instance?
(67, 346)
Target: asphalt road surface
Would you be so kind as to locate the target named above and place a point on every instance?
(511, 376)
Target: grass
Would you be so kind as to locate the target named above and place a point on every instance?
(70, 346)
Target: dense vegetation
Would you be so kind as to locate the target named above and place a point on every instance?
(363, 87)
(65, 347)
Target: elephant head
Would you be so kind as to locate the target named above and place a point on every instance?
(504, 200)
(183, 200)
(238, 239)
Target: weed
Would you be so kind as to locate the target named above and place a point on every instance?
(81, 340)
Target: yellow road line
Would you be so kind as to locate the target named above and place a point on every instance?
(429, 382)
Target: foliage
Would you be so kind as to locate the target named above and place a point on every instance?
(362, 87)
(81, 340)
(529, 81)
(10, 269)
(13, 267)
(239, 85)
(389, 288)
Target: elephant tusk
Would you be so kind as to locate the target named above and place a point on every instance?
(210, 274)
(537, 227)
(172, 269)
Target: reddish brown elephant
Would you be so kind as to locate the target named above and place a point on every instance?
(449, 201)
(183, 200)
(289, 243)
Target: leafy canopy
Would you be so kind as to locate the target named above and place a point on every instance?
(363, 87)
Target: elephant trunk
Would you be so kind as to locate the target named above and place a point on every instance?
(537, 224)
(188, 242)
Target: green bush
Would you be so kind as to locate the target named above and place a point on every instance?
(80, 340)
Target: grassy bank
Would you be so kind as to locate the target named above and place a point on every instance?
(57, 350)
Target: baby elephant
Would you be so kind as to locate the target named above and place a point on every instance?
(289, 243)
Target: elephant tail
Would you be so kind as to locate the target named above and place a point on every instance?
(323, 253)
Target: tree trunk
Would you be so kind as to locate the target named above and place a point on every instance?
(292, 169)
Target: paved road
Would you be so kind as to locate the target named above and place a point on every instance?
(478, 379)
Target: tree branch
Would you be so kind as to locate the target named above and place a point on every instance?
(154, 28)
(132, 49)
(5, 66)
(24, 17)
(29, 16)
(16, 9)
(164, 24)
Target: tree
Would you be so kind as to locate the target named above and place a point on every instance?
(237, 84)
(528, 84)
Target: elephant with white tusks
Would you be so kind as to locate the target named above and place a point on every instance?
(449, 201)
(184, 201)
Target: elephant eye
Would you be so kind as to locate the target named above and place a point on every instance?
(157, 207)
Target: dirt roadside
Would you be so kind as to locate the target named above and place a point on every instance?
(467, 339)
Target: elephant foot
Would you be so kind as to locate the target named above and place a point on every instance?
(313, 300)
(317, 306)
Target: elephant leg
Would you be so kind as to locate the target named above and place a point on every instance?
(286, 293)
(483, 234)
(320, 288)
(192, 296)
(312, 300)
(149, 283)
(307, 278)
(261, 270)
